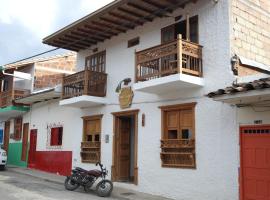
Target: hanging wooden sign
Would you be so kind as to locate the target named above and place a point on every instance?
(125, 97)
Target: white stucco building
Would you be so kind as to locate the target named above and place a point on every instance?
(171, 139)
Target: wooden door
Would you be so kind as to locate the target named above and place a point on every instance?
(124, 149)
(32, 148)
(255, 163)
(25, 141)
(6, 135)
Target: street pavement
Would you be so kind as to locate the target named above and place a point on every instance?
(14, 186)
(26, 184)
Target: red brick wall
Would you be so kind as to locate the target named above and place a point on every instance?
(49, 73)
(251, 31)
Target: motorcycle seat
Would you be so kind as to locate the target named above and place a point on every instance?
(81, 169)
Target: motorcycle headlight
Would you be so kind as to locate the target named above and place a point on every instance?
(4, 154)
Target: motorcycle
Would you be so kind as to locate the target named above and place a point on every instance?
(81, 177)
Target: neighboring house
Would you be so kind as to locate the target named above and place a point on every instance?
(171, 140)
(45, 72)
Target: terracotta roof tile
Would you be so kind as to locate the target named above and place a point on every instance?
(242, 87)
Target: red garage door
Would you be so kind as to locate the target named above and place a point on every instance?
(255, 163)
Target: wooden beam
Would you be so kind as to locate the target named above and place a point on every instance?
(117, 23)
(157, 5)
(79, 43)
(126, 18)
(95, 34)
(135, 14)
(72, 37)
(86, 36)
(101, 32)
(105, 31)
(109, 26)
(143, 9)
(70, 46)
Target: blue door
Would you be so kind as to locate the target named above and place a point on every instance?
(1, 136)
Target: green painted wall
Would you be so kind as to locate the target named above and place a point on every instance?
(14, 155)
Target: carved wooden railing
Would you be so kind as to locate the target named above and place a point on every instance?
(90, 152)
(178, 153)
(18, 93)
(84, 83)
(178, 56)
(7, 97)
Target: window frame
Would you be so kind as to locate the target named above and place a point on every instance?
(172, 29)
(59, 143)
(181, 147)
(98, 67)
(91, 147)
(49, 135)
(133, 42)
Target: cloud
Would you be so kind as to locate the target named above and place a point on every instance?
(36, 16)
(23, 24)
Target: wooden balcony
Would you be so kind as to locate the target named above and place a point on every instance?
(85, 83)
(179, 57)
(87, 87)
(7, 97)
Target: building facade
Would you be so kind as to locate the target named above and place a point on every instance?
(45, 73)
(138, 103)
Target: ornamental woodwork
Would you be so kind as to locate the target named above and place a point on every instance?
(178, 137)
(85, 82)
(90, 146)
(177, 56)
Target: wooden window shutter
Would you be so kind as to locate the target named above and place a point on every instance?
(178, 137)
(90, 146)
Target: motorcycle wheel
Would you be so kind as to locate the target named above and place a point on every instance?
(87, 187)
(104, 188)
(70, 185)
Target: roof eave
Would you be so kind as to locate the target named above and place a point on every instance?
(97, 12)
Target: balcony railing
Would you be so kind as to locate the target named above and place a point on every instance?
(7, 97)
(178, 56)
(90, 152)
(178, 153)
(85, 83)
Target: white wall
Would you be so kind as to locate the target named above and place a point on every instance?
(44, 114)
(247, 115)
(25, 84)
(216, 176)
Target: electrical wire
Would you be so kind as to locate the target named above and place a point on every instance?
(39, 54)
(134, 22)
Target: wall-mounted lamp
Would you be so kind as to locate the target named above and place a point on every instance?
(235, 63)
(126, 81)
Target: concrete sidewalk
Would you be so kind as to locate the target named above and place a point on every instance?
(118, 192)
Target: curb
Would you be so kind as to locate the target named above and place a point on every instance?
(20, 171)
(34, 176)
(116, 195)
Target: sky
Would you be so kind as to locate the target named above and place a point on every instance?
(24, 23)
